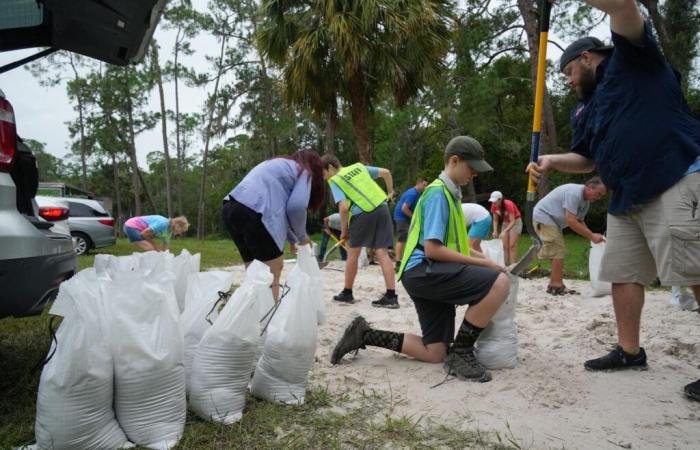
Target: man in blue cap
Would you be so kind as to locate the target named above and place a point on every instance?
(634, 126)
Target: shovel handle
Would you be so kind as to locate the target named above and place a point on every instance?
(329, 233)
(545, 10)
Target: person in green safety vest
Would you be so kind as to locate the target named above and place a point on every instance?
(440, 272)
(365, 221)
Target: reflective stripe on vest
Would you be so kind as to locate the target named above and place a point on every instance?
(456, 233)
(359, 187)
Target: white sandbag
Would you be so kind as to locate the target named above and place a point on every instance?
(74, 403)
(282, 372)
(493, 250)
(158, 264)
(682, 298)
(202, 294)
(363, 261)
(184, 265)
(309, 264)
(497, 346)
(600, 288)
(225, 357)
(147, 347)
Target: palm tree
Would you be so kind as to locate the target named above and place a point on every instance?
(355, 50)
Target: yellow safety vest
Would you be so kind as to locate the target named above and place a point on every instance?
(456, 236)
(359, 187)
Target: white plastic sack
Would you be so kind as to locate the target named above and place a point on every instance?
(74, 403)
(363, 261)
(595, 257)
(309, 265)
(202, 294)
(147, 346)
(497, 346)
(226, 355)
(184, 265)
(680, 297)
(493, 250)
(282, 372)
(158, 265)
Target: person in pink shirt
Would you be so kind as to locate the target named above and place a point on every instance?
(508, 215)
(143, 231)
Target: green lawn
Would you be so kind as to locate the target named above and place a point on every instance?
(325, 421)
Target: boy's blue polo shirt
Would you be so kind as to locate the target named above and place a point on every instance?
(636, 125)
(436, 216)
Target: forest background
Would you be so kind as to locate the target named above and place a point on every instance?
(385, 82)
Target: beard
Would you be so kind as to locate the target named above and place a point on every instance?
(587, 84)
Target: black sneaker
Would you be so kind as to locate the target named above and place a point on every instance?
(344, 297)
(351, 340)
(387, 301)
(692, 390)
(464, 366)
(618, 359)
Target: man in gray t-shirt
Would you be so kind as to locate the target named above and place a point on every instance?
(565, 206)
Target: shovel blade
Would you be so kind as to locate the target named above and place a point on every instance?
(524, 262)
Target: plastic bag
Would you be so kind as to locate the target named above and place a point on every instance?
(282, 372)
(595, 257)
(226, 355)
(497, 346)
(363, 261)
(680, 297)
(147, 347)
(493, 250)
(184, 265)
(74, 403)
(202, 294)
(309, 265)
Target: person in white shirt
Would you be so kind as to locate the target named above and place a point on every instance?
(478, 220)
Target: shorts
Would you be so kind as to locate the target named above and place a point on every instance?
(248, 232)
(402, 230)
(133, 234)
(481, 229)
(517, 228)
(553, 246)
(437, 288)
(372, 229)
(659, 238)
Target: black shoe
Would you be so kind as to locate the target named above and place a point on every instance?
(351, 340)
(387, 301)
(692, 390)
(618, 359)
(464, 366)
(344, 297)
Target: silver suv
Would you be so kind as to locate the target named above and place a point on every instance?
(90, 224)
(33, 259)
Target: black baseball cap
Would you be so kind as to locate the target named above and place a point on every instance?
(468, 149)
(586, 44)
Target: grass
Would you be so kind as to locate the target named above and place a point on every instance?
(326, 420)
(576, 261)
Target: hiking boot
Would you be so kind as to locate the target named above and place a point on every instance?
(344, 297)
(464, 366)
(618, 359)
(387, 301)
(351, 340)
(692, 390)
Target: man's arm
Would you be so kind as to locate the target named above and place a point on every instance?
(385, 175)
(436, 251)
(565, 162)
(406, 210)
(581, 228)
(625, 18)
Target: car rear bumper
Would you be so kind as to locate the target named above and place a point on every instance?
(29, 283)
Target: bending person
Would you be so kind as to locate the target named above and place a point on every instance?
(507, 214)
(269, 205)
(478, 221)
(440, 273)
(143, 231)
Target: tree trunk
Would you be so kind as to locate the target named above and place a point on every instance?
(179, 150)
(164, 127)
(359, 112)
(207, 138)
(132, 147)
(81, 122)
(147, 194)
(117, 193)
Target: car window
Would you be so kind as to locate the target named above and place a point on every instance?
(80, 210)
(21, 14)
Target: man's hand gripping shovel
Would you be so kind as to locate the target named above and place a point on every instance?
(517, 268)
(338, 243)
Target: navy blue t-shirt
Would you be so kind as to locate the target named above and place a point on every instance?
(410, 197)
(636, 125)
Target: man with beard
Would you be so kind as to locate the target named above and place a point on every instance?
(634, 126)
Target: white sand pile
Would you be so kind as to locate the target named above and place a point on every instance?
(548, 400)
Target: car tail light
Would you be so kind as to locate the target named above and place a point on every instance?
(53, 213)
(108, 222)
(8, 135)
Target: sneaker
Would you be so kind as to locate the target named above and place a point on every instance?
(618, 359)
(390, 302)
(351, 340)
(692, 390)
(344, 297)
(464, 366)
